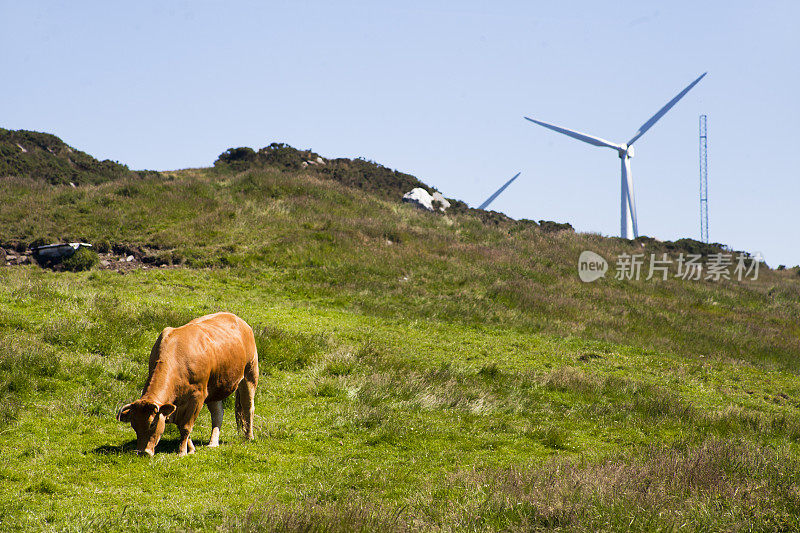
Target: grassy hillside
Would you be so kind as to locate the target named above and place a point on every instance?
(419, 371)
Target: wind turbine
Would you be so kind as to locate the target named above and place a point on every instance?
(491, 199)
(629, 228)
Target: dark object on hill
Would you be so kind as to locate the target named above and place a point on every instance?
(49, 255)
(57, 251)
(45, 157)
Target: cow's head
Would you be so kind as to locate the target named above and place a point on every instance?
(147, 420)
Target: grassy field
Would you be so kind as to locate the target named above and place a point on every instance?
(419, 371)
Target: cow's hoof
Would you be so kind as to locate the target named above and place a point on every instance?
(213, 444)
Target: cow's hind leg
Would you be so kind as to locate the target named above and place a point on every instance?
(245, 399)
(216, 422)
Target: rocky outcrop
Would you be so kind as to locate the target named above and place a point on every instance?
(420, 198)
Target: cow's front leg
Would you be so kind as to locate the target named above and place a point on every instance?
(187, 424)
(216, 422)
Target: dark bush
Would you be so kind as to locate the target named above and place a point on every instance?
(237, 159)
(284, 156)
(102, 246)
(548, 226)
(83, 259)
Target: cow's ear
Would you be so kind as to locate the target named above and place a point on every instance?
(124, 414)
(167, 409)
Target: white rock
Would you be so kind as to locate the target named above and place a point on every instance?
(129, 258)
(444, 204)
(419, 197)
(320, 161)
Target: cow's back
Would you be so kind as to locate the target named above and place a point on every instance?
(210, 352)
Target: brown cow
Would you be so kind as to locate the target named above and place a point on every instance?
(203, 361)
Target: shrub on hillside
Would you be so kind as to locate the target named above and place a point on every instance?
(284, 156)
(278, 155)
(548, 226)
(83, 259)
(237, 159)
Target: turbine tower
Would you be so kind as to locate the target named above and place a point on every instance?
(491, 199)
(629, 228)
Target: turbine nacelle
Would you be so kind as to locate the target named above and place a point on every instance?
(625, 151)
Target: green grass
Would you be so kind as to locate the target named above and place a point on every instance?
(419, 371)
(388, 415)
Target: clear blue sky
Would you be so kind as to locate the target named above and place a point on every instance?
(439, 91)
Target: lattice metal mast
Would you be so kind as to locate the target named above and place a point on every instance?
(703, 178)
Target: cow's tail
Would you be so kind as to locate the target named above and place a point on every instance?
(245, 395)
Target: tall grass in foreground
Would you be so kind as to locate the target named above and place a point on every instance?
(713, 485)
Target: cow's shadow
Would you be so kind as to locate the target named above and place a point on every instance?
(168, 445)
(164, 446)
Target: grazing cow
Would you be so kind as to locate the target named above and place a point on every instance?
(201, 362)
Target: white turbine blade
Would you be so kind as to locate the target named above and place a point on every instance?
(491, 199)
(597, 141)
(663, 111)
